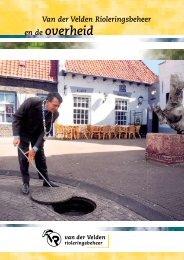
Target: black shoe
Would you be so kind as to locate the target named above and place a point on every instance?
(25, 188)
(45, 184)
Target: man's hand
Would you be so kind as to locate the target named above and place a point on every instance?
(16, 141)
(31, 155)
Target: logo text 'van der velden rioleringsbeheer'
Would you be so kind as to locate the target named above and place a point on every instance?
(89, 240)
(86, 240)
(84, 29)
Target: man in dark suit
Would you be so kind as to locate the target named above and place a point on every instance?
(32, 123)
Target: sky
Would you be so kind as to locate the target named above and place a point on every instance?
(153, 65)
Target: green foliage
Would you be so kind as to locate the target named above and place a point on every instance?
(170, 54)
(42, 45)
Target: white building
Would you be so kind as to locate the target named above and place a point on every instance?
(167, 68)
(104, 92)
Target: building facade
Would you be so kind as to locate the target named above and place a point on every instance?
(104, 92)
(96, 92)
(20, 80)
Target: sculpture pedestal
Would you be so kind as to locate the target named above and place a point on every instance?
(165, 148)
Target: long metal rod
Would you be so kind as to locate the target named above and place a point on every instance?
(35, 167)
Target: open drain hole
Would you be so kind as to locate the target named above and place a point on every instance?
(76, 206)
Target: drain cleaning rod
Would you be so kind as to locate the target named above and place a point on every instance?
(35, 167)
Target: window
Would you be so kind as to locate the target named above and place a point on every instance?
(167, 97)
(81, 110)
(137, 118)
(43, 96)
(121, 107)
(7, 106)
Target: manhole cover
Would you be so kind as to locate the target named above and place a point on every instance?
(48, 195)
(75, 206)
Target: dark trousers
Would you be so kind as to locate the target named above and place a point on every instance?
(40, 159)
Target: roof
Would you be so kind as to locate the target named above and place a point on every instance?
(45, 70)
(129, 70)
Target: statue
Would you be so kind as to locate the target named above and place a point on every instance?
(173, 114)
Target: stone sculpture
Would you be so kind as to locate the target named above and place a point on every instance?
(173, 114)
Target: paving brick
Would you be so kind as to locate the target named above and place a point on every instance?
(106, 169)
(22, 208)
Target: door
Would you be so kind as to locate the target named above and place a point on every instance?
(154, 123)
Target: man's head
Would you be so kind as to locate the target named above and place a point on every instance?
(53, 101)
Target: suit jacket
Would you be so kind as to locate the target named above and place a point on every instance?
(28, 120)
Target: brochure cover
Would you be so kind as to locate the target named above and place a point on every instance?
(91, 129)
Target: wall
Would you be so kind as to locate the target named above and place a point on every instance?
(102, 113)
(153, 99)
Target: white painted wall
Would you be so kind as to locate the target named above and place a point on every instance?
(167, 68)
(101, 113)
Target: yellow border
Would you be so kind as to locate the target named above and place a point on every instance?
(92, 256)
(18, 16)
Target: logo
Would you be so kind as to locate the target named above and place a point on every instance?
(53, 238)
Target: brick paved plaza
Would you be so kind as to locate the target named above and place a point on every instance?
(113, 173)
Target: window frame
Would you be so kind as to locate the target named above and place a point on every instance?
(88, 109)
(122, 112)
(42, 95)
(15, 104)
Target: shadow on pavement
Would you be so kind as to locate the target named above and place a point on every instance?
(125, 173)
